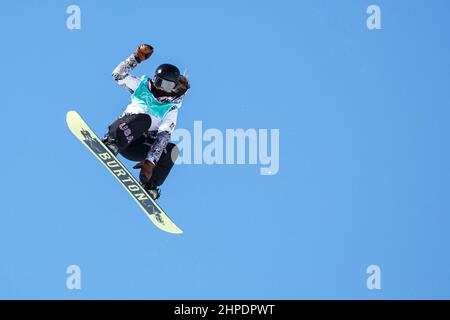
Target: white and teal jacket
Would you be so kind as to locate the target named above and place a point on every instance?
(163, 111)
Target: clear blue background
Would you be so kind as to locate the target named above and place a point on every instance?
(364, 161)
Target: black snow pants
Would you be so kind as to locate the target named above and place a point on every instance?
(134, 141)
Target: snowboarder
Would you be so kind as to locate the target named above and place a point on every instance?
(142, 133)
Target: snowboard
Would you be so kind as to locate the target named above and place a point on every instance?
(82, 131)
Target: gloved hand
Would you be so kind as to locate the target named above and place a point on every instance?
(182, 86)
(143, 52)
(146, 173)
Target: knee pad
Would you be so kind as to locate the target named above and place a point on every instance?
(173, 151)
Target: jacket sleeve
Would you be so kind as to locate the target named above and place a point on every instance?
(156, 150)
(121, 74)
(164, 134)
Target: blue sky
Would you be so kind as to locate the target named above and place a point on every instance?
(364, 162)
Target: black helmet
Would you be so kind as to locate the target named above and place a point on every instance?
(166, 76)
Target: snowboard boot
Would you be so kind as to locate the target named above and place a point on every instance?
(152, 190)
(111, 144)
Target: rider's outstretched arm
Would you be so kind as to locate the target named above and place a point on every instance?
(121, 73)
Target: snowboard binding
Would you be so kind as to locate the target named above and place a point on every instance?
(152, 190)
(111, 144)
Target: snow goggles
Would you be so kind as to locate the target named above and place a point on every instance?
(163, 84)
